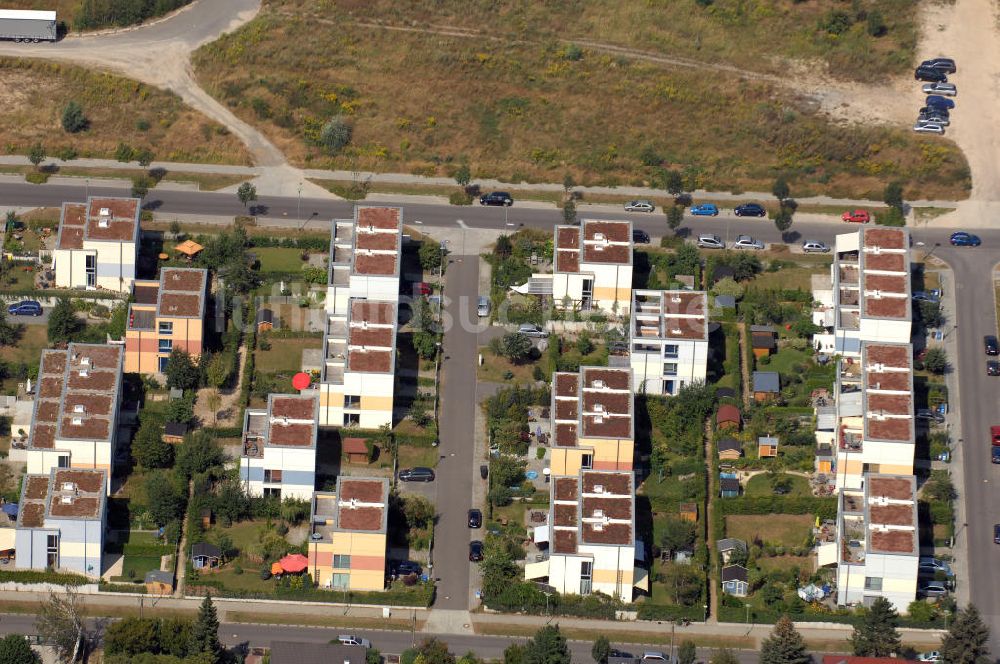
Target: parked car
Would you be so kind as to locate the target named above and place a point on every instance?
(996, 533)
(993, 368)
(709, 241)
(705, 210)
(475, 519)
(932, 589)
(991, 345)
(421, 288)
(932, 115)
(483, 306)
(926, 296)
(995, 434)
(930, 74)
(932, 656)
(932, 564)
(940, 102)
(532, 330)
(856, 216)
(929, 414)
(496, 198)
(940, 88)
(964, 239)
(406, 568)
(815, 246)
(475, 551)
(639, 206)
(654, 656)
(928, 128)
(945, 65)
(747, 242)
(25, 308)
(351, 640)
(750, 210)
(640, 237)
(994, 453)
(418, 474)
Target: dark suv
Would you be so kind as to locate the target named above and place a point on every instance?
(992, 347)
(930, 74)
(945, 65)
(496, 198)
(750, 210)
(640, 237)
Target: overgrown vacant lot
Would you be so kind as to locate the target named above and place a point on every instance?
(35, 93)
(519, 104)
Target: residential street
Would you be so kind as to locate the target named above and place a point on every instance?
(455, 424)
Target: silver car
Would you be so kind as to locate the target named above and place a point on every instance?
(639, 206)
(940, 88)
(532, 330)
(815, 246)
(708, 241)
(928, 128)
(747, 242)
(933, 117)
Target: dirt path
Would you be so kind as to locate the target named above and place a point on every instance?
(744, 369)
(182, 550)
(713, 576)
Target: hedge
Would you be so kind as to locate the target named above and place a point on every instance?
(825, 508)
(413, 440)
(223, 432)
(57, 292)
(649, 611)
(136, 588)
(33, 576)
(420, 595)
(757, 615)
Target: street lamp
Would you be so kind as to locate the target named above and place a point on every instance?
(298, 205)
(705, 606)
(748, 612)
(316, 537)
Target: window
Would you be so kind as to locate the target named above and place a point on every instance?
(586, 573)
(272, 493)
(340, 581)
(52, 551)
(669, 368)
(341, 561)
(163, 364)
(166, 345)
(166, 327)
(873, 583)
(90, 267)
(352, 419)
(352, 401)
(644, 348)
(587, 461)
(670, 350)
(272, 476)
(63, 462)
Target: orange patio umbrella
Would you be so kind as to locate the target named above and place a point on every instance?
(294, 563)
(276, 568)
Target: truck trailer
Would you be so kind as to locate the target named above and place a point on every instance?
(26, 25)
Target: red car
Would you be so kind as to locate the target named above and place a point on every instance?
(857, 216)
(421, 288)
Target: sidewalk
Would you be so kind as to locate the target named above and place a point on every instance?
(486, 184)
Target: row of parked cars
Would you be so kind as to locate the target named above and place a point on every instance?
(934, 115)
(712, 241)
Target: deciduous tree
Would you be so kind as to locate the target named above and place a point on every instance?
(63, 323)
(247, 193)
(601, 649)
(60, 623)
(181, 371)
(36, 155)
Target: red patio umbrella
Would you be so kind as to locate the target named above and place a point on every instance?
(294, 563)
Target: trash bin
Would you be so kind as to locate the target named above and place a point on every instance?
(484, 471)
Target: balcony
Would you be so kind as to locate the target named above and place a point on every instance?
(852, 541)
(253, 447)
(139, 319)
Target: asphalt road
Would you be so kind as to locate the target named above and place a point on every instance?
(979, 408)
(387, 641)
(456, 424)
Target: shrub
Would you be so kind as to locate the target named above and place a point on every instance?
(36, 178)
(460, 198)
(124, 152)
(73, 119)
(336, 134)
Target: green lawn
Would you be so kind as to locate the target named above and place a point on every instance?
(411, 455)
(778, 529)
(135, 567)
(789, 278)
(759, 486)
(29, 347)
(279, 259)
(285, 355)
(785, 361)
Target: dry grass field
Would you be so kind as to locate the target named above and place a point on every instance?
(521, 101)
(100, 13)
(119, 110)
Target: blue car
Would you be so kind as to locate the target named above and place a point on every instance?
(963, 239)
(705, 210)
(25, 308)
(940, 102)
